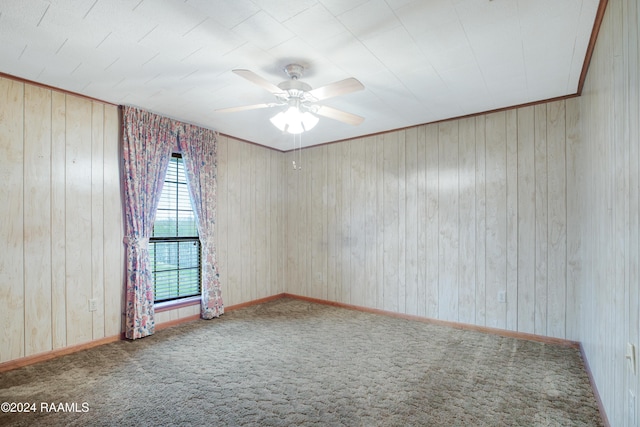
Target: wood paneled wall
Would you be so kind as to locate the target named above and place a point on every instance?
(439, 220)
(250, 221)
(61, 228)
(607, 184)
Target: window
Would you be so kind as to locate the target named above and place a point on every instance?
(174, 246)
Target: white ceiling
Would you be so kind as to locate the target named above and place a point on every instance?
(420, 61)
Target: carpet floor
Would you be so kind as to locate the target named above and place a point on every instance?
(290, 362)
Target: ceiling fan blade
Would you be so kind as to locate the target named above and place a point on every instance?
(244, 108)
(339, 115)
(256, 79)
(337, 88)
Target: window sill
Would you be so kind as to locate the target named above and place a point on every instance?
(175, 304)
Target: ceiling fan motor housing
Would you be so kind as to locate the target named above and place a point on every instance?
(294, 85)
(294, 88)
(294, 71)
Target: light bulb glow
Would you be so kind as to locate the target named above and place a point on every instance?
(294, 121)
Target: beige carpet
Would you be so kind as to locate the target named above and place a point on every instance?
(290, 362)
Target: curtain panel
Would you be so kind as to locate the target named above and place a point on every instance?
(198, 147)
(147, 143)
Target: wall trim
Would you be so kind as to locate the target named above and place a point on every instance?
(456, 325)
(592, 44)
(246, 141)
(450, 119)
(41, 357)
(255, 302)
(52, 354)
(592, 381)
(53, 88)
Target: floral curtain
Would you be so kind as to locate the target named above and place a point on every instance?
(198, 147)
(148, 140)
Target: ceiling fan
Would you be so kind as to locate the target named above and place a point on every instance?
(300, 100)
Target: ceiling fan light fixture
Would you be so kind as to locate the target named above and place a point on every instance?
(294, 121)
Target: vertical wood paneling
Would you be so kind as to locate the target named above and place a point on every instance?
(432, 187)
(311, 224)
(235, 228)
(281, 207)
(600, 284)
(253, 210)
(448, 220)
(78, 221)
(467, 221)
(625, 245)
(481, 222)
(315, 223)
(344, 278)
(421, 220)
(324, 232)
(267, 284)
(263, 187)
(97, 217)
(58, 222)
(276, 219)
(341, 232)
(401, 234)
(301, 227)
(12, 264)
(557, 220)
(602, 228)
(333, 235)
(526, 221)
(113, 231)
(245, 222)
(371, 236)
(390, 219)
(250, 201)
(380, 201)
(276, 207)
(412, 231)
(37, 219)
(278, 204)
(632, 318)
(540, 159)
(70, 219)
(290, 218)
(357, 246)
(307, 226)
(576, 206)
(620, 195)
(439, 220)
(496, 219)
(512, 220)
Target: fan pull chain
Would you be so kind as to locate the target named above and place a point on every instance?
(300, 151)
(297, 147)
